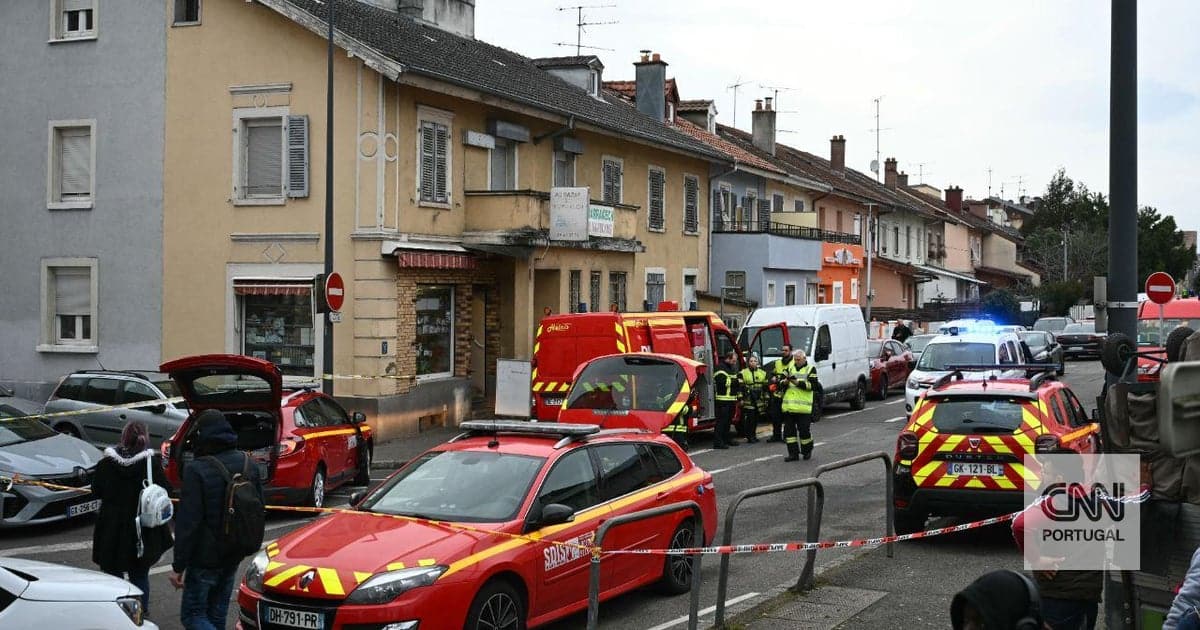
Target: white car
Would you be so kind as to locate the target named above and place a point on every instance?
(965, 349)
(42, 595)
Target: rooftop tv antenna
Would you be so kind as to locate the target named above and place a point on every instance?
(989, 181)
(921, 172)
(739, 83)
(581, 23)
(578, 46)
(875, 164)
(776, 89)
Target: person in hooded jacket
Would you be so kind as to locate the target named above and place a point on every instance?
(206, 577)
(118, 483)
(999, 600)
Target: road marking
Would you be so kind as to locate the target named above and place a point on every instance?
(895, 402)
(753, 461)
(39, 549)
(896, 419)
(707, 611)
(700, 452)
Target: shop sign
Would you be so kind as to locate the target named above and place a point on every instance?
(569, 214)
(600, 221)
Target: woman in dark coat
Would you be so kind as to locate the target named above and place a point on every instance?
(118, 484)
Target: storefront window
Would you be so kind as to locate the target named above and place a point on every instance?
(279, 328)
(435, 326)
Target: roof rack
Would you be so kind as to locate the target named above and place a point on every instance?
(524, 427)
(137, 373)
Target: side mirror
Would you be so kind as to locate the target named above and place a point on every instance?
(552, 514)
(358, 417)
(357, 497)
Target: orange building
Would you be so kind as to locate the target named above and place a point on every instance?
(841, 276)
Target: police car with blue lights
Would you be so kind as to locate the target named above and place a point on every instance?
(976, 342)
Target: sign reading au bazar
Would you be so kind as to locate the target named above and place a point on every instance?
(574, 218)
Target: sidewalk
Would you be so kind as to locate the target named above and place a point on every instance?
(911, 590)
(393, 454)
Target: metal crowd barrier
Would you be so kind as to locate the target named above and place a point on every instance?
(593, 615)
(889, 494)
(814, 531)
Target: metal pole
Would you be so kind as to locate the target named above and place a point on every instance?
(869, 239)
(327, 346)
(1065, 276)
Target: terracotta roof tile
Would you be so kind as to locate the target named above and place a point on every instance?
(730, 149)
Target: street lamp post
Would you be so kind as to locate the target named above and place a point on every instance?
(327, 346)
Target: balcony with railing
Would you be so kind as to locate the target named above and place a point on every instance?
(504, 210)
(782, 229)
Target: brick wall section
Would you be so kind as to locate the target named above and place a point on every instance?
(406, 317)
(492, 324)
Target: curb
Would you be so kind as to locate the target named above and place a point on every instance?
(744, 613)
(387, 464)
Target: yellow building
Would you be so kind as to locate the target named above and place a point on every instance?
(446, 151)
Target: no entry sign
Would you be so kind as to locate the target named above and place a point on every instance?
(335, 291)
(1160, 288)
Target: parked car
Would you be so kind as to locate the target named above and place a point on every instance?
(1081, 340)
(964, 326)
(969, 349)
(1052, 324)
(834, 336)
(553, 482)
(963, 450)
(891, 361)
(916, 344)
(1045, 348)
(33, 450)
(25, 406)
(303, 441)
(43, 595)
(637, 390)
(93, 389)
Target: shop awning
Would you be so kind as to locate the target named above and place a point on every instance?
(432, 260)
(260, 287)
(951, 274)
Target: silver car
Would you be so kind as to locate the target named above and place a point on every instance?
(98, 389)
(30, 449)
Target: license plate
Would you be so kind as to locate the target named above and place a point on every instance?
(555, 401)
(295, 618)
(83, 508)
(975, 470)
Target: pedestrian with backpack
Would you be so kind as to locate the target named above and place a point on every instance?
(128, 541)
(219, 521)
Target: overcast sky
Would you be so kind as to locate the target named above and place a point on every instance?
(1020, 86)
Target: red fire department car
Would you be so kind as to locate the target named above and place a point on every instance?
(637, 390)
(1176, 314)
(962, 451)
(304, 442)
(489, 530)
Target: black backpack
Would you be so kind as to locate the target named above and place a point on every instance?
(240, 532)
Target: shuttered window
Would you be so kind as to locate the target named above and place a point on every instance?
(297, 156)
(656, 288)
(718, 218)
(612, 181)
(777, 203)
(74, 163)
(799, 205)
(564, 169)
(764, 214)
(262, 159)
(75, 18)
(691, 203)
(656, 185)
(435, 162)
(72, 294)
(616, 290)
(503, 165)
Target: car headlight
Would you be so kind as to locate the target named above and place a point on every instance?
(132, 606)
(255, 570)
(384, 587)
(913, 384)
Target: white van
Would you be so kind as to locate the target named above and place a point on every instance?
(965, 349)
(833, 336)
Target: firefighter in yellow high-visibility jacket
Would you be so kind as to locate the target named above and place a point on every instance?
(797, 407)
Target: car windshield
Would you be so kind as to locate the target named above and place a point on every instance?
(918, 343)
(627, 383)
(977, 414)
(15, 429)
(937, 356)
(874, 348)
(1050, 324)
(1149, 334)
(1080, 329)
(1035, 340)
(468, 486)
(770, 341)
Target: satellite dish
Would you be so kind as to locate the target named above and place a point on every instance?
(874, 166)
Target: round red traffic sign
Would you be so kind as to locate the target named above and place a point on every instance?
(1160, 288)
(335, 291)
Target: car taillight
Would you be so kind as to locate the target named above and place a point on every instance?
(694, 404)
(1046, 444)
(906, 445)
(290, 445)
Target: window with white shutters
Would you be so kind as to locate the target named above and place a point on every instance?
(616, 290)
(435, 162)
(691, 204)
(656, 185)
(74, 19)
(297, 156)
(75, 161)
(68, 305)
(612, 180)
(656, 288)
(262, 164)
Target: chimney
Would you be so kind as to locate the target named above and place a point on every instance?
(651, 82)
(978, 208)
(837, 153)
(763, 126)
(889, 173)
(954, 199)
(902, 180)
(453, 16)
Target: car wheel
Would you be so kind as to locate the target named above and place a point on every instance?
(316, 492)
(497, 606)
(860, 396)
(363, 478)
(67, 429)
(677, 570)
(907, 522)
(883, 387)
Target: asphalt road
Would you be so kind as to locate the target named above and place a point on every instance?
(854, 508)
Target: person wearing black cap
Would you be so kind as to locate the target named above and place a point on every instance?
(1000, 600)
(200, 567)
